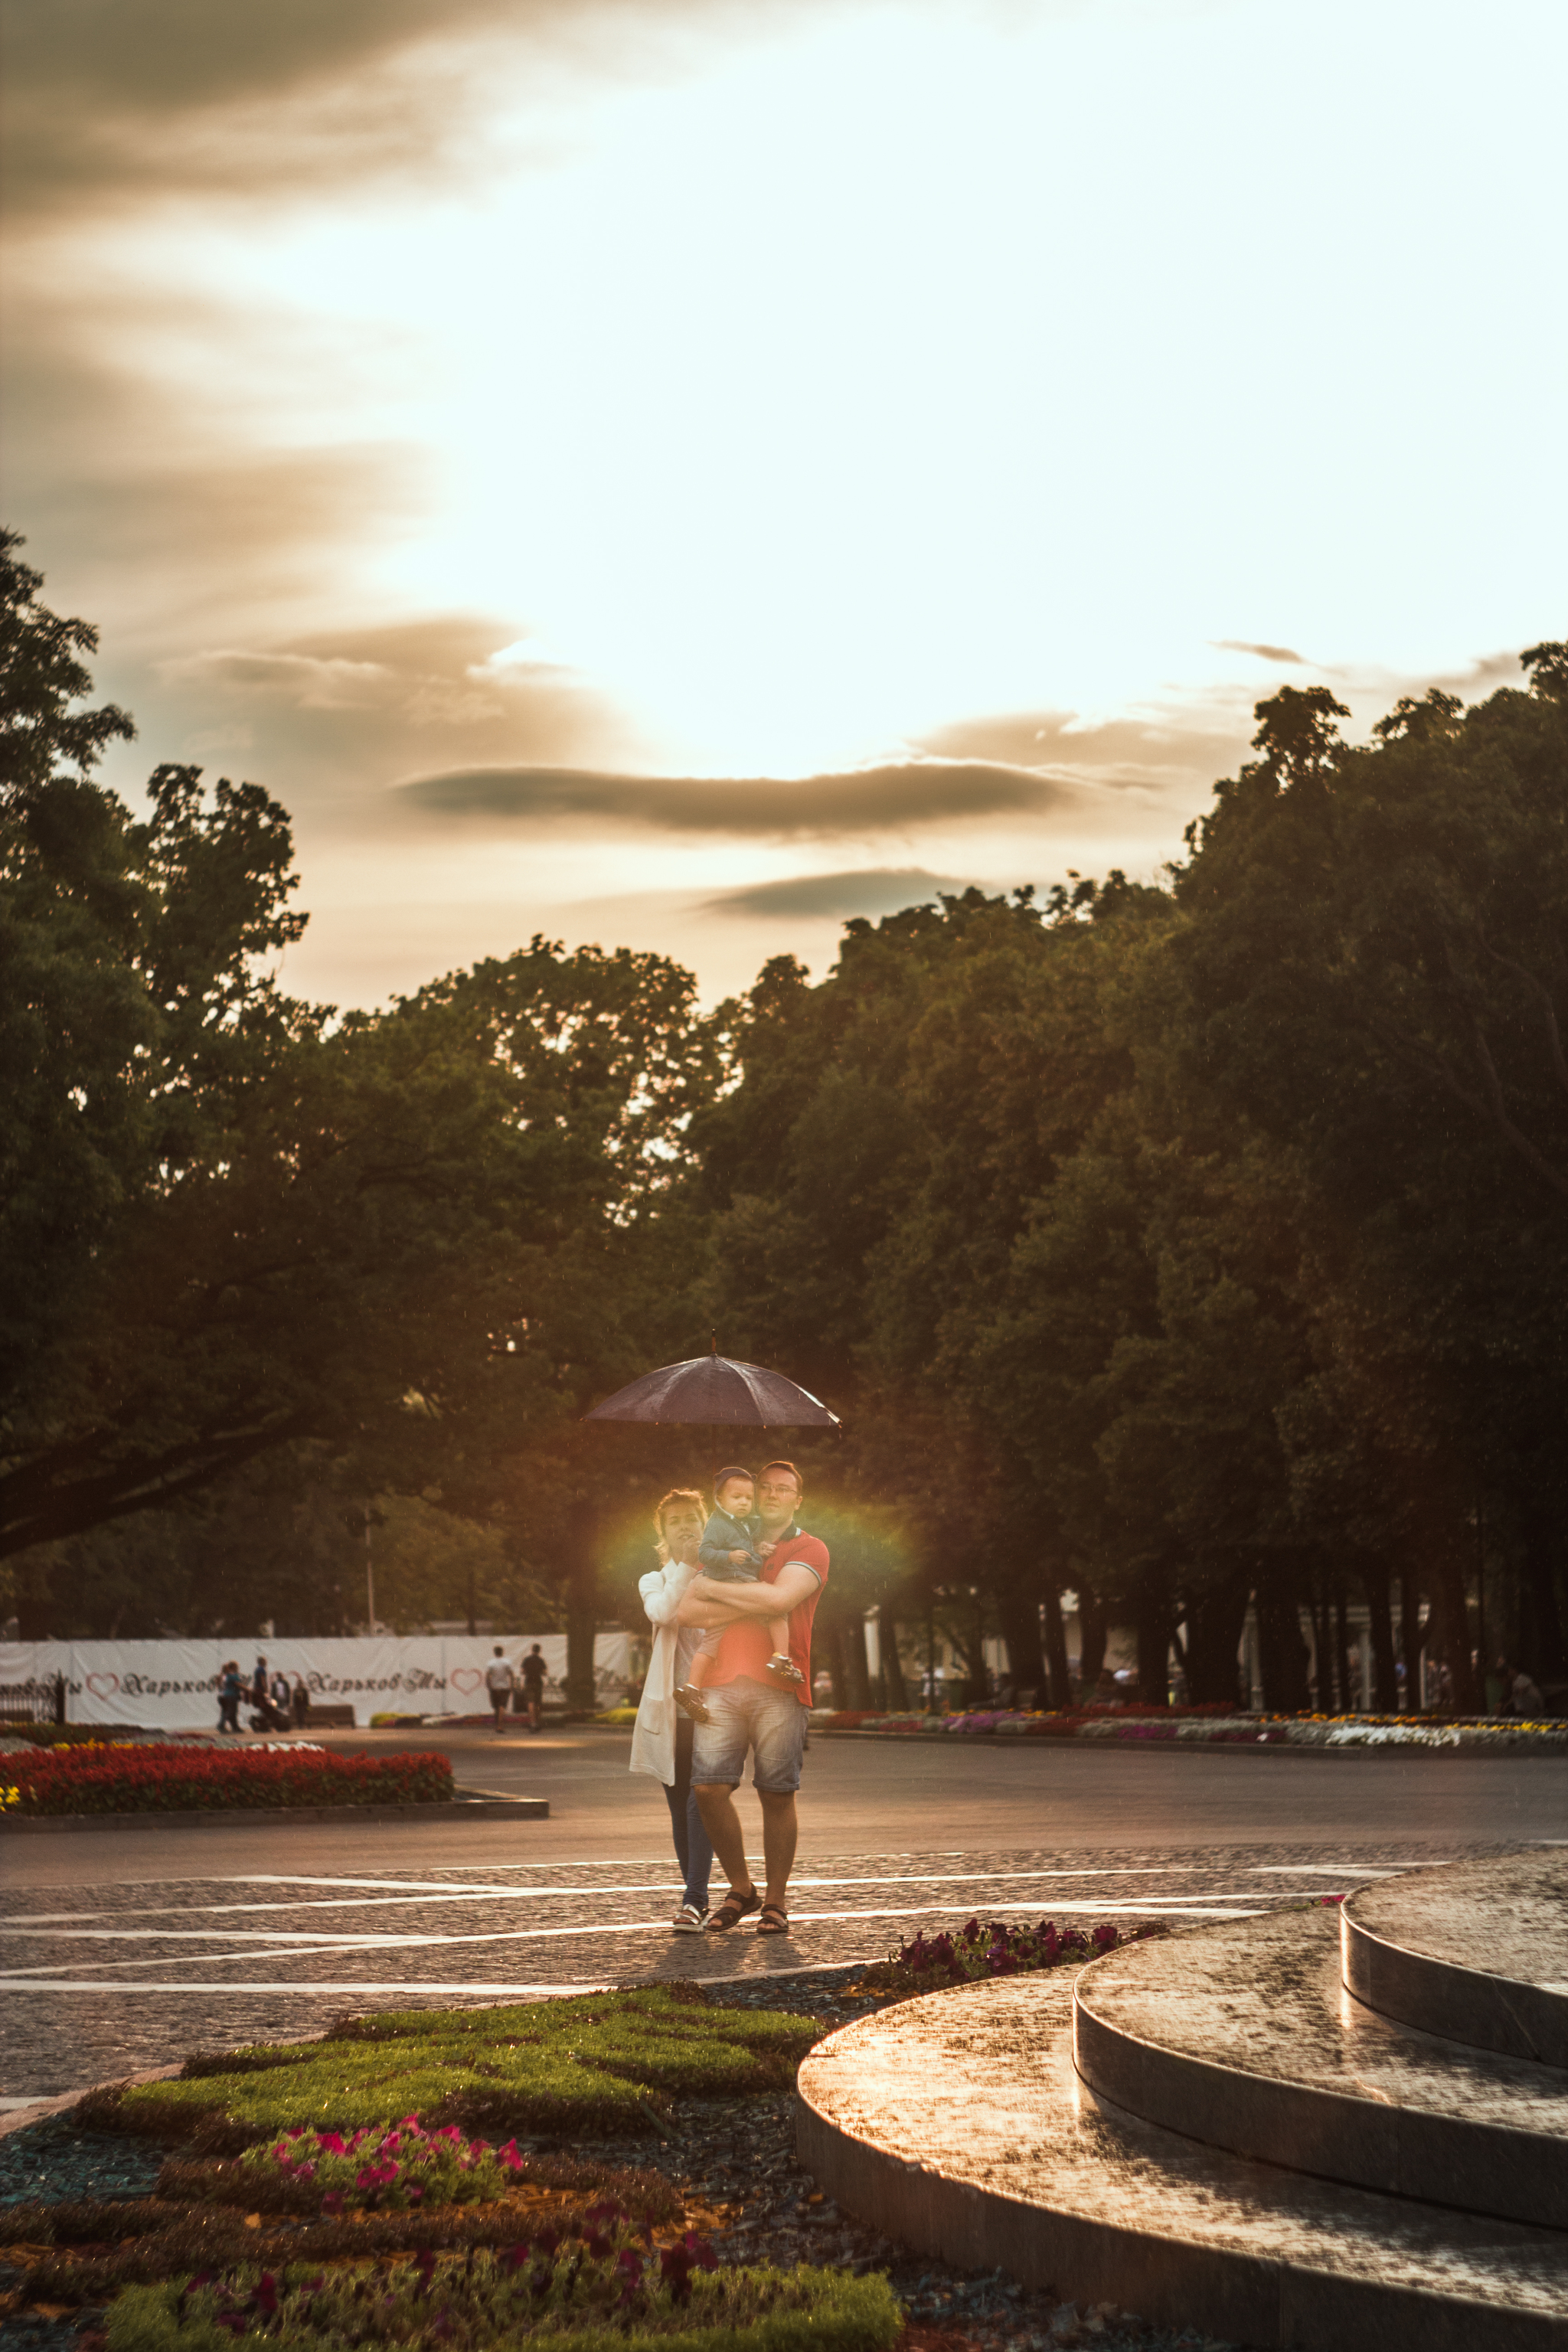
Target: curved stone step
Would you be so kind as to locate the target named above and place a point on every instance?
(958, 2125)
(1245, 2038)
(1475, 1951)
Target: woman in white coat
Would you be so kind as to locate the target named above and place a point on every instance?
(661, 1740)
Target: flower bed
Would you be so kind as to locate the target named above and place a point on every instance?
(600, 2285)
(97, 1778)
(379, 2168)
(1224, 1727)
(992, 1949)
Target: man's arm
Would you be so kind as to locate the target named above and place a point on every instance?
(714, 1604)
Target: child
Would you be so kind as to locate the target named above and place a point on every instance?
(730, 1554)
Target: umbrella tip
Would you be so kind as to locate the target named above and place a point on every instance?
(712, 1342)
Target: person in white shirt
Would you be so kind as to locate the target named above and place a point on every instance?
(498, 1679)
(661, 1740)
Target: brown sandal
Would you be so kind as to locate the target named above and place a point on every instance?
(732, 1910)
(773, 1920)
(689, 1699)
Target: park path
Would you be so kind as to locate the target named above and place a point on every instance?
(105, 1979)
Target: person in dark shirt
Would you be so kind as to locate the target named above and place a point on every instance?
(533, 1674)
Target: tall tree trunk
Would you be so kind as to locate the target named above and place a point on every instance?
(1282, 1653)
(581, 1607)
(1375, 1582)
(1542, 1630)
(1152, 1629)
(1411, 1641)
(830, 1640)
(1450, 1636)
(1092, 1631)
(1019, 1610)
(857, 1678)
(1322, 1670)
(1346, 1699)
(1216, 1616)
(895, 1696)
(1057, 1649)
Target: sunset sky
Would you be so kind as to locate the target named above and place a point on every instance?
(684, 474)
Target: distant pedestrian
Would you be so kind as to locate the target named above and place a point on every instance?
(300, 1703)
(260, 1703)
(534, 1676)
(282, 1698)
(499, 1680)
(230, 1690)
(1526, 1695)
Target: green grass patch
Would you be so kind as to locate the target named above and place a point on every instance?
(598, 2065)
(604, 2294)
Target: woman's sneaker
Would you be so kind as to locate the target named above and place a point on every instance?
(688, 1920)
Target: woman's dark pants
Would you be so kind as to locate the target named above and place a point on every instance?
(692, 1850)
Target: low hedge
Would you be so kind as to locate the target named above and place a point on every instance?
(606, 2291)
(142, 1779)
(599, 2065)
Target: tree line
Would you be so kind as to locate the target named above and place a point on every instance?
(1183, 1245)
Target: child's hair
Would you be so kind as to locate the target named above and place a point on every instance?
(675, 1495)
(731, 1470)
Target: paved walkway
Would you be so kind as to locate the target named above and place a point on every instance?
(123, 1977)
(128, 1950)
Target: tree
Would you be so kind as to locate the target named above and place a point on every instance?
(235, 1224)
(1373, 952)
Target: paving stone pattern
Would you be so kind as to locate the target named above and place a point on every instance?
(104, 1982)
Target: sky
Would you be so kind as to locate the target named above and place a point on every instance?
(682, 474)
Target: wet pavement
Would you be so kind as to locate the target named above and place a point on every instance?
(103, 1981)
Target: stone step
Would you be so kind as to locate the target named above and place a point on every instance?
(958, 2125)
(1475, 1951)
(1244, 2037)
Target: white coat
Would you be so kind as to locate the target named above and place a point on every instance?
(653, 1734)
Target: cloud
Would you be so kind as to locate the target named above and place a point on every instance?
(284, 99)
(868, 799)
(161, 94)
(872, 890)
(1264, 653)
(1178, 750)
(326, 717)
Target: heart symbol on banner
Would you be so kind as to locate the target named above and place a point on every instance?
(466, 1678)
(103, 1685)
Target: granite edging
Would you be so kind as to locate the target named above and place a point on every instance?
(484, 1809)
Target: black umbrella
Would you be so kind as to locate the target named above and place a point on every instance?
(717, 1392)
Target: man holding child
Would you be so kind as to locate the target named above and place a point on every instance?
(756, 1699)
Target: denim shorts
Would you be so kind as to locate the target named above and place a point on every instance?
(750, 1715)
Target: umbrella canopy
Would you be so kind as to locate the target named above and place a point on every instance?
(717, 1392)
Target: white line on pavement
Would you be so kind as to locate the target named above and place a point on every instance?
(1189, 1908)
(420, 1890)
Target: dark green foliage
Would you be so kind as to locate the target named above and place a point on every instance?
(1182, 1247)
(595, 2066)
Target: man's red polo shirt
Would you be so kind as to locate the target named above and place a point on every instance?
(745, 1649)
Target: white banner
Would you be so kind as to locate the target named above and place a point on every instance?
(173, 1686)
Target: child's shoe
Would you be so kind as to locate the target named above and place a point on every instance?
(689, 1701)
(782, 1673)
